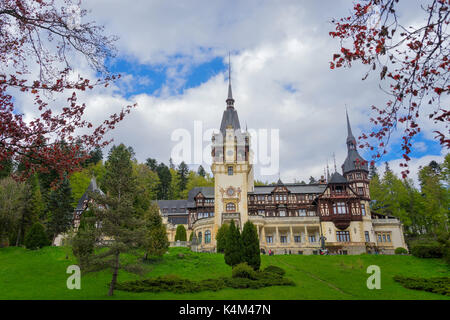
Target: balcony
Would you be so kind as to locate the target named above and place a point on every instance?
(226, 216)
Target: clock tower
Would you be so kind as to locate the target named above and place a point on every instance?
(232, 168)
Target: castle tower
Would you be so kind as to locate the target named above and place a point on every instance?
(232, 168)
(355, 168)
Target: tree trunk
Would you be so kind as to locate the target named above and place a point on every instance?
(114, 277)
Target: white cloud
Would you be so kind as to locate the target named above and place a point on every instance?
(280, 73)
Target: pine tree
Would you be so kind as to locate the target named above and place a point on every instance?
(152, 164)
(36, 237)
(118, 229)
(183, 172)
(180, 233)
(33, 209)
(234, 248)
(60, 209)
(201, 171)
(221, 237)
(312, 180)
(155, 241)
(250, 243)
(165, 179)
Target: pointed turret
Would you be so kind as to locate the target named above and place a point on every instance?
(230, 117)
(351, 141)
(353, 161)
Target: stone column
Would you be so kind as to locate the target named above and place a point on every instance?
(306, 235)
(291, 235)
(263, 233)
(277, 240)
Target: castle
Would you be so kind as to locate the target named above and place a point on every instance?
(333, 214)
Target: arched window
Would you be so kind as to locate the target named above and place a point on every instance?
(207, 236)
(231, 207)
(199, 237)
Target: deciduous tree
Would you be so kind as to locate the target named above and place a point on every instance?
(412, 62)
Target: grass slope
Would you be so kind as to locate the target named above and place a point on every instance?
(41, 274)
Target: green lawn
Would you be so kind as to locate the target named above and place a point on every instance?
(41, 274)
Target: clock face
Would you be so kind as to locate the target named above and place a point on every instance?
(230, 191)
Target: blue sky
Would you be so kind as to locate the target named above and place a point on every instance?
(174, 62)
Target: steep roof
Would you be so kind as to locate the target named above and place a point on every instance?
(353, 161)
(337, 178)
(229, 118)
(85, 197)
(292, 187)
(174, 207)
(208, 192)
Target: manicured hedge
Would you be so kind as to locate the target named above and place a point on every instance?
(431, 249)
(401, 250)
(439, 285)
(240, 280)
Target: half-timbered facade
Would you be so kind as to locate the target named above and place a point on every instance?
(333, 214)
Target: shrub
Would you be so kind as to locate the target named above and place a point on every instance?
(233, 246)
(401, 250)
(243, 270)
(250, 242)
(180, 233)
(221, 237)
(275, 269)
(36, 237)
(431, 249)
(440, 285)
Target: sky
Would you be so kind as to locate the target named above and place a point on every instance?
(173, 58)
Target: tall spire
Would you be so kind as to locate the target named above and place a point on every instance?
(351, 141)
(230, 100)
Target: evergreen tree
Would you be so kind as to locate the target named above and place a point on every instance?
(201, 171)
(312, 180)
(171, 165)
(221, 237)
(33, 210)
(118, 229)
(36, 237)
(165, 178)
(155, 241)
(250, 243)
(183, 172)
(234, 248)
(180, 233)
(60, 209)
(152, 164)
(175, 185)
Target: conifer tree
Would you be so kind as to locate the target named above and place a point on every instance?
(201, 171)
(33, 210)
(221, 237)
(60, 209)
(183, 172)
(250, 243)
(180, 233)
(36, 237)
(165, 179)
(155, 241)
(118, 229)
(233, 249)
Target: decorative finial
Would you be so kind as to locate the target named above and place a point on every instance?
(334, 158)
(230, 100)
